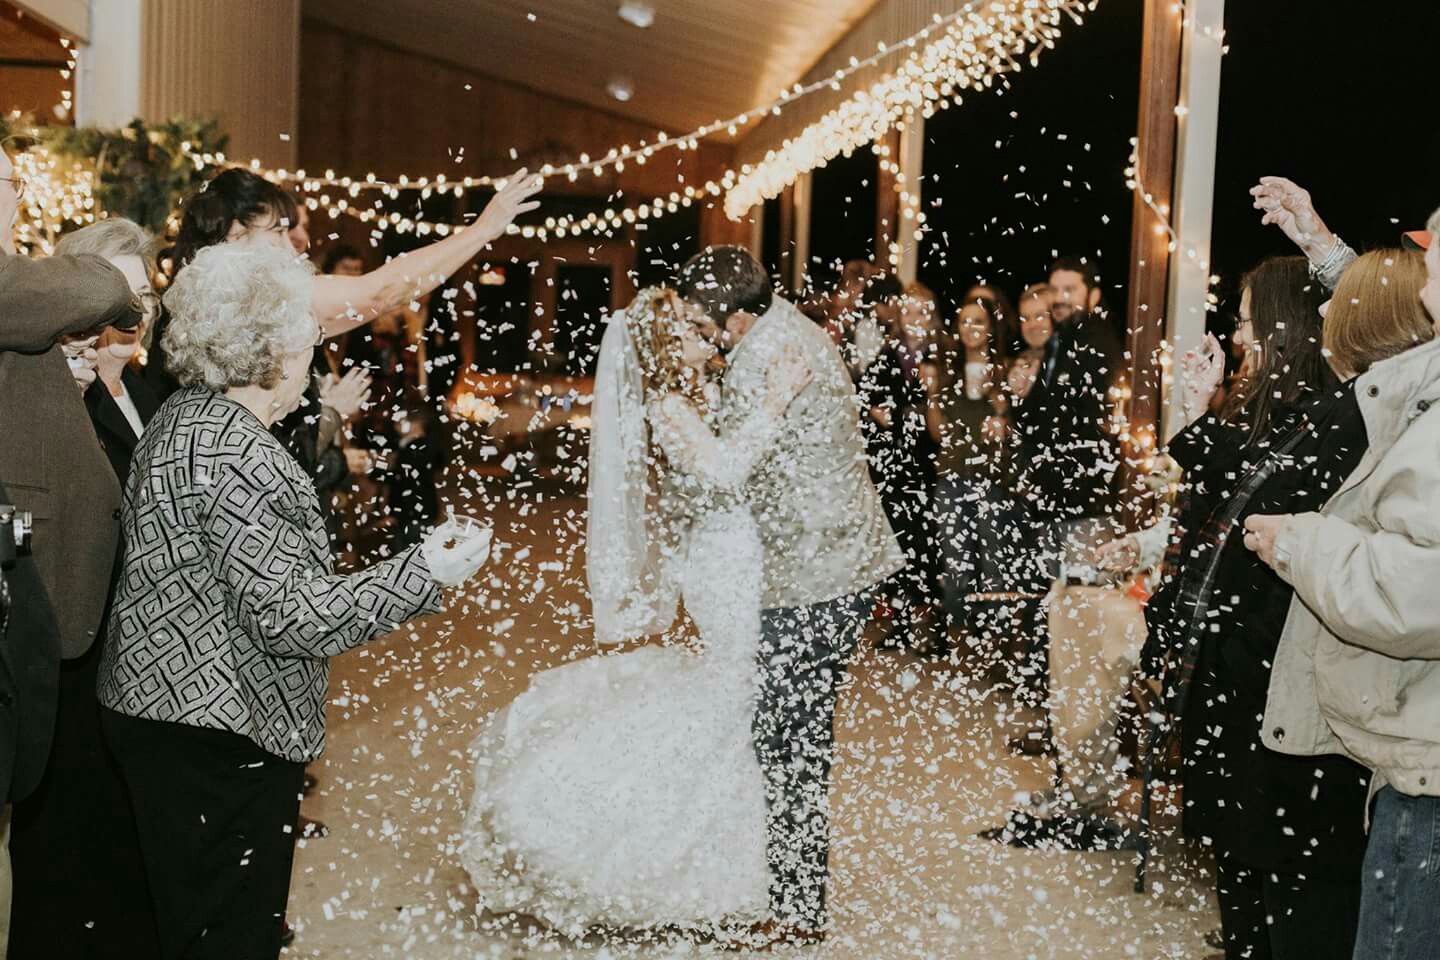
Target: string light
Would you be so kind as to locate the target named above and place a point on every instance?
(968, 49)
(57, 197)
(639, 153)
(974, 49)
(975, 44)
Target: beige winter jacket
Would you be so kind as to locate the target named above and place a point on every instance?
(1358, 667)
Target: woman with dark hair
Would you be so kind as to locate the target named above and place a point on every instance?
(893, 399)
(1287, 832)
(239, 206)
(966, 421)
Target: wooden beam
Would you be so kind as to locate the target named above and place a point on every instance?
(800, 198)
(912, 168)
(887, 198)
(1149, 242)
(1199, 130)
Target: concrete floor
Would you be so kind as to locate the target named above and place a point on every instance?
(922, 767)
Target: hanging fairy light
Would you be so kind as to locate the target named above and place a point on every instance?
(58, 196)
(971, 52)
(967, 49)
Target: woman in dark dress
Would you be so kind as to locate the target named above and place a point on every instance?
(1287, 832)
(967, 421)
(894, 402)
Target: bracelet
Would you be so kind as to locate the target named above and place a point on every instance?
(1328, 262)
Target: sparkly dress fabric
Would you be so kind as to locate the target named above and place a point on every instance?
(623, 790)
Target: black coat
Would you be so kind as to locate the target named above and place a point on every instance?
(114, 431)
(52, 466)
(1068, 459)
(1264, 809)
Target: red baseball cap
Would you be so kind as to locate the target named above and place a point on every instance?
(1417, 239)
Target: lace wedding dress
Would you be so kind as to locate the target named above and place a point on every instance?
(622, 790)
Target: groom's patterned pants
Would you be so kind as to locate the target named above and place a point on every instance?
(803, 651)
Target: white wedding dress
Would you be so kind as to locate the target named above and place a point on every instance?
(623, 791)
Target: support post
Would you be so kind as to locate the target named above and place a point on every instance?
(1198, 120)
(1149, 241)
(910, 184)
(108, 88)
(800, 195)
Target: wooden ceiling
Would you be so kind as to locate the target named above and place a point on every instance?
(701, 60)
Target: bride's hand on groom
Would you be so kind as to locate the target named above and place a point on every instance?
(787, 377)
(509, 202)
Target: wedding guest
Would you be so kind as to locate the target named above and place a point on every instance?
(239, 206)
(51, 465)
(215, 665)
(79, 886)
(1033, 334)
(1069, 462)
(920, 333)
(1285, 832)
(343, 260)
(1356, 670)
(966, 421)
(894, 406)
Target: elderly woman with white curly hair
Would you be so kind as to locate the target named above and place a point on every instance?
(215, 669)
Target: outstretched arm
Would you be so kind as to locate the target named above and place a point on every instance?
(1289, 207)
(344, 303)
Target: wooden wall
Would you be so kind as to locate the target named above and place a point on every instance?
(366, 107)
(234, 59)
(30, 62)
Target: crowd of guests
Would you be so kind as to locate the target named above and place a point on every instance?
(155, 779)
(165, 657)
(1291, 631)
(990, 432)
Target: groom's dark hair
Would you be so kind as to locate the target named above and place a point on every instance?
(726, 280)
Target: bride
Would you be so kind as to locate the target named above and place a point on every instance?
(623, 790)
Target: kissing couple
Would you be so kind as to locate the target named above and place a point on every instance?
(666, 787)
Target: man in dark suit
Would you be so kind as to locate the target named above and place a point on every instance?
(51, 464)
(1069, 460)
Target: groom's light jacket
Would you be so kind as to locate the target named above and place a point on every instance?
(824, 531)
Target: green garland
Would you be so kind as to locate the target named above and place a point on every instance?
(143, 172)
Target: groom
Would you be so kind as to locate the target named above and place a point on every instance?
(827, 543)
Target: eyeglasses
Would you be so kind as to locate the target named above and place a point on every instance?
(19, 184)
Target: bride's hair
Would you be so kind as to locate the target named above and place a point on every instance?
(657, 322)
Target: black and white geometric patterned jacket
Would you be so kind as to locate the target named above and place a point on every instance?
(227, 607)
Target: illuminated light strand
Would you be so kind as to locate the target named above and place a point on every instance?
(617, 157)
(56, 197)
(972, 49)
(972, 52)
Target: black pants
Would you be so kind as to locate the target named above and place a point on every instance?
(79, 881)
(1286, 916)
(803, 651)
(216, 816)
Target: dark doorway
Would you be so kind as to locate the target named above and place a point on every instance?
(581, 301)
(844, 198)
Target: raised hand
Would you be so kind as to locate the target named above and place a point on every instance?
(455, 552)
(512, 200)
(1289, 207)
(1202, 372)
(82, 358)
(1022, 376)
(346, 395)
